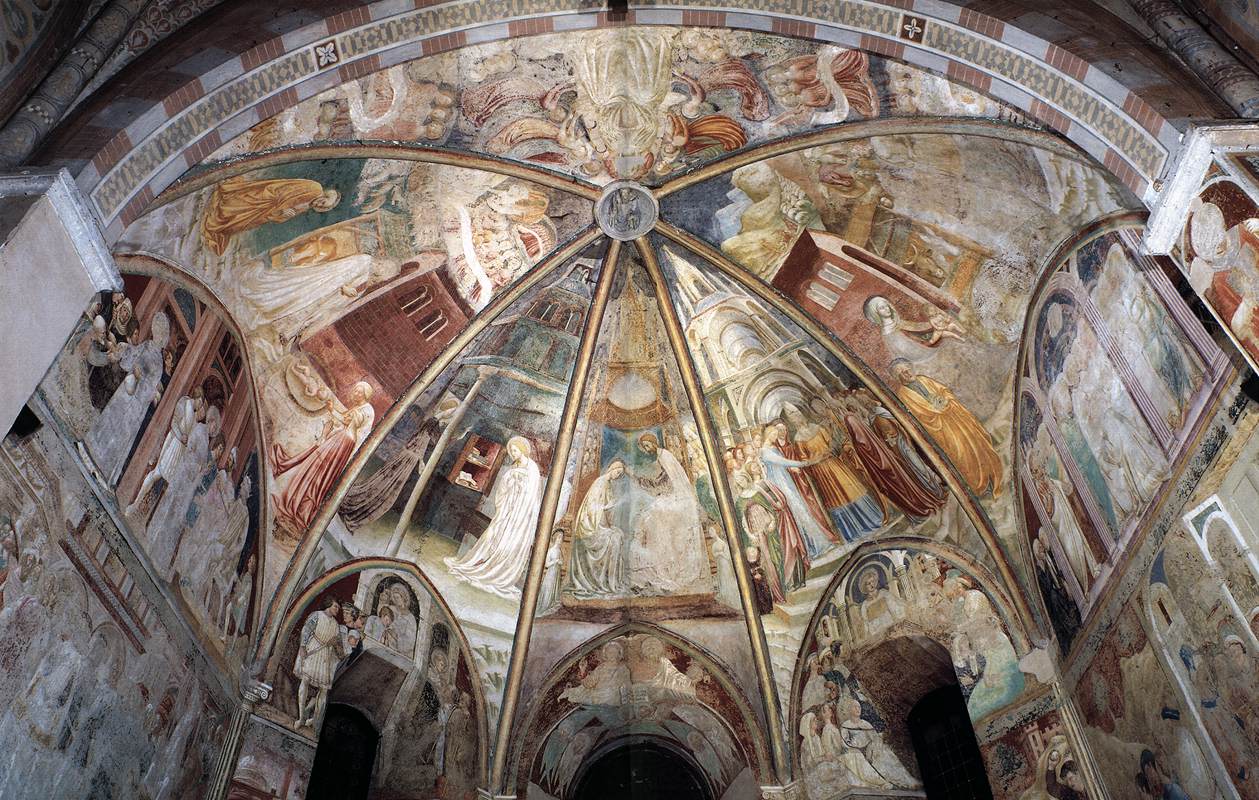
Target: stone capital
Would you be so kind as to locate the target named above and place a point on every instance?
(791, 791)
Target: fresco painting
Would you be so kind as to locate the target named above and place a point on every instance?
(936, 625)
(456, 485)
(1035, 761)
(885, 364)
(682, 97)
(1239, 21)
(347, 277)
(1202, 615)
(98, 698)
(154, 388)
(1114, 381)
(641, 683)
(637, 523)
(272, 764)
(815, 462)
(895, 245)
(1220, 254)
(1138, 726)
(378, 641)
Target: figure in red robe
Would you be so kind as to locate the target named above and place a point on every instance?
(317, 468)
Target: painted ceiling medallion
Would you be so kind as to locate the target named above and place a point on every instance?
(626, 210)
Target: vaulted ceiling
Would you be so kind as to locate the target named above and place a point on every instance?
(829, 322)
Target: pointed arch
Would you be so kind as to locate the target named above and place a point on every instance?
(311, 591)
(759, 754)
(1217, 373)
(987, 582)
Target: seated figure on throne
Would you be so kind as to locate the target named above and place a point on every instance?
(666, 552)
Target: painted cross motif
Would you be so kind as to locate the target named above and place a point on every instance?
(912, 28)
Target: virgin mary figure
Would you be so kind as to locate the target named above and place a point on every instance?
(596, 569)
(498, 559)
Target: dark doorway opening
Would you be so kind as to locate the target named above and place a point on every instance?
(641, 770)
(345, 756)
(949, 760)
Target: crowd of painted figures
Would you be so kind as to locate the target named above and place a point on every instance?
(823, 477)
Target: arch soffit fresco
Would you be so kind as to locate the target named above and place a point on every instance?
(711, 664)
(1020, 635)
(308, 594)
(1106, 119)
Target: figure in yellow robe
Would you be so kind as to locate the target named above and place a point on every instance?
(953, 426)
(238, 205)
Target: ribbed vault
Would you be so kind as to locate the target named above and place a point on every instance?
(707, 441)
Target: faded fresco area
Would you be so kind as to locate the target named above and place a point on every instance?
(1168, 697)
(1036, 760)
(376, 641)
(98, 698)
(642, 683)
(154, 389)
(1139, 727)
(632, 103)
(347, 278)
(1220, 250)
(892, 606)
(1117, 374)
(638, 534)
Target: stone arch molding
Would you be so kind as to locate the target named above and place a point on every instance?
(1106, 119)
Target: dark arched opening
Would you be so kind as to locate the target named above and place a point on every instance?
(345, 756)
(949, 760)
(641, 770)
